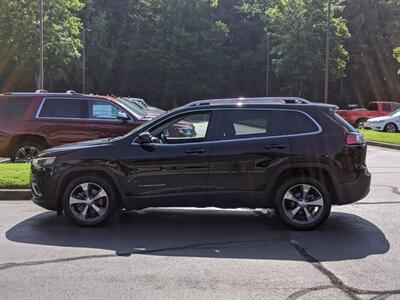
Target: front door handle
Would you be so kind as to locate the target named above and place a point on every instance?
(275, 147)
(195, 151)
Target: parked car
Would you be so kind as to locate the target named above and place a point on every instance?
(31, 122)
(284, 153)
(359, 117)
(143, 104)
(390, 123)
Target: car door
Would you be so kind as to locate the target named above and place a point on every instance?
(104, 122)
(173, 170)
(63, 120)
(248, 146)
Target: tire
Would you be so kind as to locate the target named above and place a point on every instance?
(294, 211)
(26, 151)
(92, 210)
(360, 124)
(391, 128)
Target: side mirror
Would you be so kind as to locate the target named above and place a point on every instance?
(122, 116)
(144, 138)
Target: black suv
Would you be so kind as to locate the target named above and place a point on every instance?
(282, 153)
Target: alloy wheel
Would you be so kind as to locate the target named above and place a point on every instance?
(303, 204)
(26, 154)
(391, 128)
(89, 202)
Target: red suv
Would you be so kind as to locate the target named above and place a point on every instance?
(31, 122)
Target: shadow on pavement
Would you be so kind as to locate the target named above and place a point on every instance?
(210, 233)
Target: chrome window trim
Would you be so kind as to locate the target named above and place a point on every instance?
(243, 139)
(86, 99)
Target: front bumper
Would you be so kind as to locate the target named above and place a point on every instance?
(374, 126)
(355, 191)
(43, 187)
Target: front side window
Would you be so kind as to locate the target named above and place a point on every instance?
(373, 106)
(63, 108)
(386, 107)
(184, 129)
(298, 123)
(103, 110)
(241, 124)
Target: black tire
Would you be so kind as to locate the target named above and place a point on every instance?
(321, 212)
(75, 211)
(391, 127)
(26, 144)
(360, 124)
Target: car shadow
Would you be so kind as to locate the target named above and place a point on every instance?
(241, 234)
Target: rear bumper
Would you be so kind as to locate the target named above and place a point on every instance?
(355, 191)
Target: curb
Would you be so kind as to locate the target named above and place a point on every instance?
(384, 145)
(10, 194)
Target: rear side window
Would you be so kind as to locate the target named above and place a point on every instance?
(242, 124)
(298, 123)
(63, 108)
(395, 106)
(14, 107)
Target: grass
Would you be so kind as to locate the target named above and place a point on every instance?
(384, 137)
(14, 176)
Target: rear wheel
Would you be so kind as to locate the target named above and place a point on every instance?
(392, 128)
(26, 151)
(89, 200)
(303, 203)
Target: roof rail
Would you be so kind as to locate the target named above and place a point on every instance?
(41, 91)
(71, 92)
(264, 100)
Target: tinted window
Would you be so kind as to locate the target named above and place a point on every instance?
(13, 107)
(184, 129)
(103, 110)
(395, 106)
(386, 107)
(297, 122)
(63, 108)
(372, 106)
(247, 124)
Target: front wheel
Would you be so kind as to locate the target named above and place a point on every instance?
(89, 200)
(303, 203)
(391, 128)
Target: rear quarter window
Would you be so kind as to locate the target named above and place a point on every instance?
(64, 108)
(298, 123)
(14, 108)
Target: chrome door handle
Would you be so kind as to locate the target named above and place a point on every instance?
(195, 151)
(275, 147)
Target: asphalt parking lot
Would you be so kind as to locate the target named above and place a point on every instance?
(209, 253)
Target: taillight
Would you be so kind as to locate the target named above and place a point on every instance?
(354, 138)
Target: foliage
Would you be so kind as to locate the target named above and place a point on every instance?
(19, 39)
(173, 51)
(383, 137)
(396, 55)
(14, 176)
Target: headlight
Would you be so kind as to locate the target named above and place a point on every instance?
(43, 161)
(375, 122)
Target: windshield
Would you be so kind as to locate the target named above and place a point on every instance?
(133, 107)
(395, 113)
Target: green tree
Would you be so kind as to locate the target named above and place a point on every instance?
(396, 55)
(19, 40)
(372, 72)
(298, 30)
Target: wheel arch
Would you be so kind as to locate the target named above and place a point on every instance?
(82, 171)
(23, 137)
(318, 171)
(392, 123)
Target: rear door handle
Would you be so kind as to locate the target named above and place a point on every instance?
(195, 151)
(275, 147)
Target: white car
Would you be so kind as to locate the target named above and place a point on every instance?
(389, 123)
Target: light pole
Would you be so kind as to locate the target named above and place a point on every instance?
(328, 40)
(84, 59)
(268, 67)
(41, 71)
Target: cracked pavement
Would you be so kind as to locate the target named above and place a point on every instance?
(209, 253)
